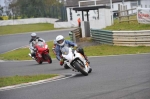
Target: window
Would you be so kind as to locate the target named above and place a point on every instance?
(133, 4)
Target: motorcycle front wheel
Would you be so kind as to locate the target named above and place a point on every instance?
(39, 61)
(66, 66)
(48, 58)
(79, 67)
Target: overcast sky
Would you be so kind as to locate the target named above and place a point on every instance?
(2, 2)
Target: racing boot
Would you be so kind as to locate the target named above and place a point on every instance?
(31, 56)
(61, 62)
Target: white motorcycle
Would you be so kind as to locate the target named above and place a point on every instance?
(75, 61)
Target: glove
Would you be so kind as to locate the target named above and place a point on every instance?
(75, 47)
(61, 62)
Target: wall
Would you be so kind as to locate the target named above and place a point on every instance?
(69, 24)
(145, 3)
(103, 21)
(27, 21)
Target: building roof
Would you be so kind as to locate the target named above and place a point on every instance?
(74, 3)
(90, 8)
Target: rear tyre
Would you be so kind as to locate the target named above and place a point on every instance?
(79, 67)
(48, 58)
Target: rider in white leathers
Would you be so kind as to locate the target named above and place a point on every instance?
(32, 42)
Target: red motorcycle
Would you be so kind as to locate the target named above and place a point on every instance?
(42, 53)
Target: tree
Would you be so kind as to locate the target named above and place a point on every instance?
(36, 8)
(1, 10)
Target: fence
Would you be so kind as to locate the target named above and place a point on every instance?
(125, 14)
(122, 38)
(102, 36)
(75, 35)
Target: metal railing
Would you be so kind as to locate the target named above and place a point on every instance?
(122, 38)
(102, 36)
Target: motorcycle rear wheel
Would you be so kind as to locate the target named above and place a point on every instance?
(80, 68)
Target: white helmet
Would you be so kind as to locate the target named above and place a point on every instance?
(60, 40)
(33, 35)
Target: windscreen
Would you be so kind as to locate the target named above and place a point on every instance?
(41, 44)
(65, 50)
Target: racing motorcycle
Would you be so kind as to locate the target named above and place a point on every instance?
(75, 60)
(42, 53)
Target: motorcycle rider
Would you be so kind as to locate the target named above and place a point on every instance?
(34, 39)
(61, 42)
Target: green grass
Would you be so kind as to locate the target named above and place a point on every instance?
(7, 81)
(13, 29)
(125, 26)
(100, 50)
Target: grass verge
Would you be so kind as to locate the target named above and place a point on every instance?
(99, 50)
(14, 29)
(125, 26)
(7, 81)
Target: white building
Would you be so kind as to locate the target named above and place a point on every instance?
(95, 15)
(145, 3)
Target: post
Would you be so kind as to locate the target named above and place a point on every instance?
(98, 14)
(95, 2)
(128, 15)
(112, 19)
(79, 3)
(82, 16)
(87, 15)
(119, 13)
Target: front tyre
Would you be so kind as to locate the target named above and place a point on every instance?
(90, 70)
(80, 68)
(48, 58)
(66, 66)
(39, 61)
